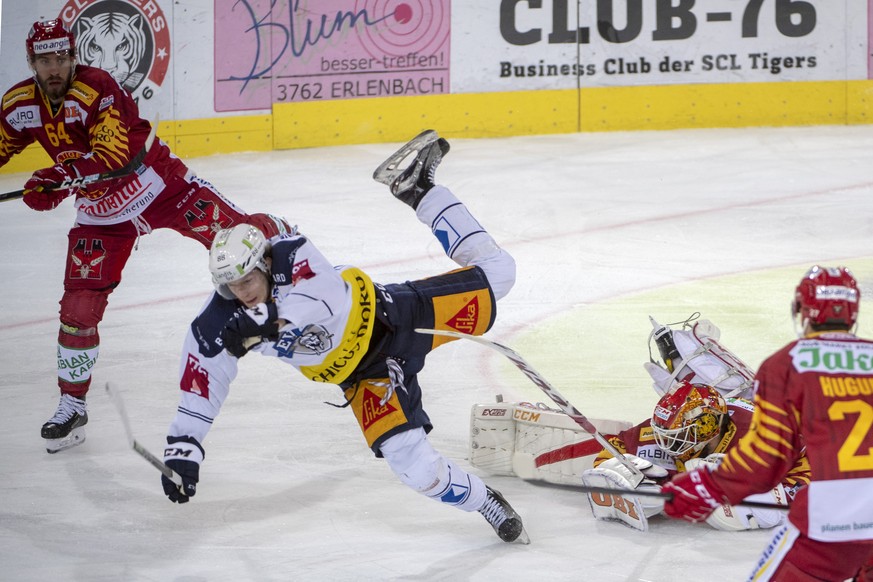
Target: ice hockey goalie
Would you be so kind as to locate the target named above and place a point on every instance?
(704, 405)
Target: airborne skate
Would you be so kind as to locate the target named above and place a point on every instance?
(410, 184)
(505, 521)
(66, 428)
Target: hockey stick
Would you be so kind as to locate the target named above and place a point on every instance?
(550, 391)
(669, 496)
(126, 169)
(138, 448)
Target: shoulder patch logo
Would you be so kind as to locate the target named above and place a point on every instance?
(301, 271)
(195, 379)
(83, 92)
(26, 92)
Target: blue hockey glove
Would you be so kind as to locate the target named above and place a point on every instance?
(183, 455)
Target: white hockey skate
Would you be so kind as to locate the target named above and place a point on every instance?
(409, 181)
(503, 518)
(66, 428)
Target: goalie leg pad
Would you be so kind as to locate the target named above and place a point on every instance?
(492, 437)
(534, 442)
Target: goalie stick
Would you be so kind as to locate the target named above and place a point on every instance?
(126, 169)
(551, 392)
(669, 496)
(157, 463)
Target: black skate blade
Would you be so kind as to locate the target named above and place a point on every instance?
(391, 168)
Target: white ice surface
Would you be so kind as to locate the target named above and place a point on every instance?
(606, 229)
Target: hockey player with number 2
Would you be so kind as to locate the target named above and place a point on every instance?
(281, 297)
(815, 394)
(90, 126)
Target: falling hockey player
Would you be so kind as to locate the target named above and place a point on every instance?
(281, 297)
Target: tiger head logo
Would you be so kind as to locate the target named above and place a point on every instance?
(119, 37)
(114, 42)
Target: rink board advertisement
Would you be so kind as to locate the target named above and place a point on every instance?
(471, 65)
(289, 50)
(643, 42)
(246, 55)
(329, 49)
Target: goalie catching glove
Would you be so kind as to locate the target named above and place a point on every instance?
(632, 511)
(183, 455)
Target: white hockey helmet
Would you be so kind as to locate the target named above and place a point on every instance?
(235, 253)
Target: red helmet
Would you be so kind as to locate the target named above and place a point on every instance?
(50, 36)
(827, 296)
(687, 418)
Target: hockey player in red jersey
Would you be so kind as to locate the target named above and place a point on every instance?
(89, 125)
(282, 298)
(816, 394)
(692, 425)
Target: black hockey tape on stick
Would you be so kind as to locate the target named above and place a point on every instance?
(126, 169)
(157, 463)
(551, 392)
(668, 496)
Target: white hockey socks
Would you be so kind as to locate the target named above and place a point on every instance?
(464, 240)
(413, 459)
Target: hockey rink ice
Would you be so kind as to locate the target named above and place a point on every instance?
(606, 229)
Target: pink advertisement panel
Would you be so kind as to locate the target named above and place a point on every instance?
(276, 51)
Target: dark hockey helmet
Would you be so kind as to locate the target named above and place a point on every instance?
(50, 36)
(687, 418)
(826, 296)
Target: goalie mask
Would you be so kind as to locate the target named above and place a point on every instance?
(826, 297)
(687, 419)
(235, 253)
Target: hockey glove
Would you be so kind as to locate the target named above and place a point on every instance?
(695, 495)
(36, 193)
(739, 517)
(258, 321)
(183, 455)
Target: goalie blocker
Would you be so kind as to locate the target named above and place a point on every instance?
(534, 442)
